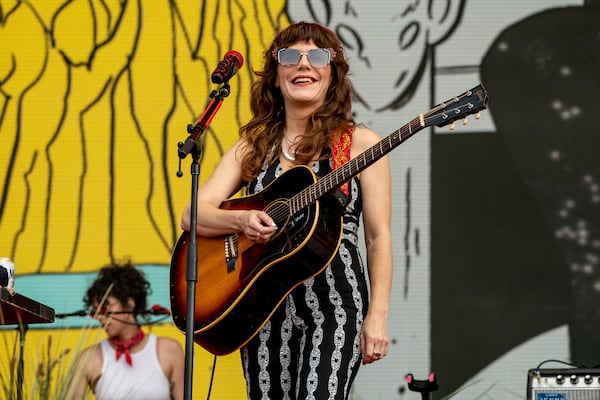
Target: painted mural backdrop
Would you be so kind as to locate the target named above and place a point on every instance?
(496, 249)
(95, 96)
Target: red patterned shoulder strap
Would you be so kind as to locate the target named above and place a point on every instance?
(340, 152)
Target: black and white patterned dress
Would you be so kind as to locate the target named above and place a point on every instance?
(310, 348)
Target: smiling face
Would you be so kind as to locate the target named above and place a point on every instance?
(303, 85)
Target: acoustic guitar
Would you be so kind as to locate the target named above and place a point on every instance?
(241, 283)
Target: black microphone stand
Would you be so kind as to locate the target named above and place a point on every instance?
(192, 147)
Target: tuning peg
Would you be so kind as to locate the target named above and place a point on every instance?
(478, 115)
(465, 121)
(451, 126)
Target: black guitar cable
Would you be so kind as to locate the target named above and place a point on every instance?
(212, 377)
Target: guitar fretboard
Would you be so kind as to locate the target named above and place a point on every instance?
(469, 102)
(353, 167)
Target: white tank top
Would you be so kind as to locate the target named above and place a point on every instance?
(144, 380)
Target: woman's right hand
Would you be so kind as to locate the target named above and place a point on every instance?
(257, 225)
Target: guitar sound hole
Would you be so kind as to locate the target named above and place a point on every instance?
(279, 211)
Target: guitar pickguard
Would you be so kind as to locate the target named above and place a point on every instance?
(283, 245)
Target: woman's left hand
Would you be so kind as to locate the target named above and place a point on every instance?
(374, 340)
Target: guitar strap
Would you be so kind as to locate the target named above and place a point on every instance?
(340, 154)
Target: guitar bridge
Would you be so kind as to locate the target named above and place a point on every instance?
(231, 251)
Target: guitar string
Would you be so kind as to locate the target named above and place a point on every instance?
(310, 194)
(331, 180)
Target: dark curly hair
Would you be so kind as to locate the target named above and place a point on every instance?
(268, 113)
(127, 282)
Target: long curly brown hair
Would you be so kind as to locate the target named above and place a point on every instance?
(267, 124)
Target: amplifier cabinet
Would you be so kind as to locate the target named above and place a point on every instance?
(563, 384)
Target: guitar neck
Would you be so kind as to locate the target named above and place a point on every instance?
(467, 103)
(353, 167)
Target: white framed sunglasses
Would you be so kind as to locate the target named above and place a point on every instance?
(318, 58)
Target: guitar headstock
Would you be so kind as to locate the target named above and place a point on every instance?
(470, 102)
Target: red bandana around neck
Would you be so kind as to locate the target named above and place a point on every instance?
(124, 347)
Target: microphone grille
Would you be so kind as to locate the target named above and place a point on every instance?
(236, 54)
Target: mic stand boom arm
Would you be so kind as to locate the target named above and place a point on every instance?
(203, 122)
(192, 146)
